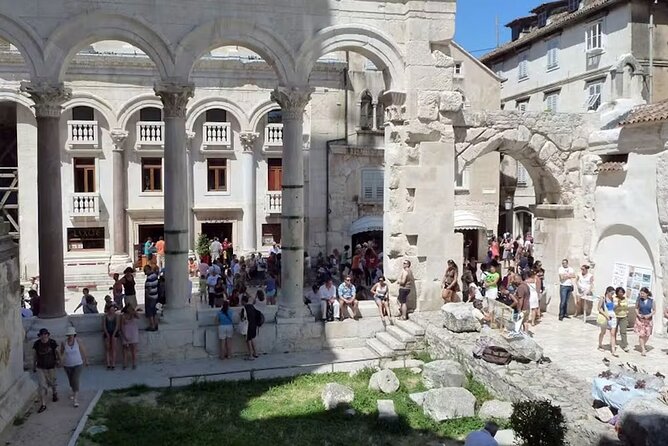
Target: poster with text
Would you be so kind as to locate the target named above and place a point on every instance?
(632, 278)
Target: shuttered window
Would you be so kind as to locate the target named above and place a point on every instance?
(372, 186)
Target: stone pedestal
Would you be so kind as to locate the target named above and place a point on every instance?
(16, 387)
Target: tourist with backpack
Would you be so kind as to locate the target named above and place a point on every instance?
(253, 319)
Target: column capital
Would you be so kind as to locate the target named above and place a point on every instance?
(248, 140)
(190, 137)
(118, 137)
(292, 100)
(395, 108)
(174, 97)
(47, 96)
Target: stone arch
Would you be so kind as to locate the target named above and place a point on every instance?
(87, 28)
(626, 230)
(203, 105)
(226, 31)
(368, 41)
(93, 101)
(259, 112)
(10, 95)
(26, 41)
(134, 105)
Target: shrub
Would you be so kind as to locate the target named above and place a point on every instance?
(538, 423)
(202, 245)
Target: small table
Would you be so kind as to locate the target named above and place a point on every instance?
(594, 306)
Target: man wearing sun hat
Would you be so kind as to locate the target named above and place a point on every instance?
(46, 359)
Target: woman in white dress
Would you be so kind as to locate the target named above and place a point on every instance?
(585, 287)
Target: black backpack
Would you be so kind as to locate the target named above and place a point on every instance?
(259, 318)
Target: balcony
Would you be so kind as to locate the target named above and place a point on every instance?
(274, 202)
(273, 137)
(85, 204)
(82, 134)
(216, 135)
(150, 135)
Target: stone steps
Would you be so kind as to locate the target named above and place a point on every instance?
(390, 341)
(401, 335)
(410, 327)
(382, 350)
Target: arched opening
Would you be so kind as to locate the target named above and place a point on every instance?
(366, 112)
(517, 193)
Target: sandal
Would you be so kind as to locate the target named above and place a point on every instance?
(76, 404)
(41, 409)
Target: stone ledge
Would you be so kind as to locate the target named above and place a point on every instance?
(16, 399)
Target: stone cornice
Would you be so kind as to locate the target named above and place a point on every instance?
(48, 97)
(175, 97)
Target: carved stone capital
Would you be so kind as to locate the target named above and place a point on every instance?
(174, 97)
(118, 137)
(190, 137)
(48, 97)
(395, 107)
(248, 140)
(292, 100)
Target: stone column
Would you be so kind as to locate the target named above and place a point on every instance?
(174, 99)
(48, 98)
(374, 124)
(190, 137)
(119, 254)
(249, 241)
(292, 100)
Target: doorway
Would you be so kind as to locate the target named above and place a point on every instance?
(153, 231)
(221, 230)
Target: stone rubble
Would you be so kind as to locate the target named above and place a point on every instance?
(443, 373)
(385, 381)
(458, 317)
(448, 403)
(501, 410)
(335, 395)
(417, 398)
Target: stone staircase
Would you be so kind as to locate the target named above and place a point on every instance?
(398, 340)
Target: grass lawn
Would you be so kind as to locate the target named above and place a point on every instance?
(269, 412)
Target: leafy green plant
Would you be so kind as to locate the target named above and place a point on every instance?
(202, 246)
(538, 423)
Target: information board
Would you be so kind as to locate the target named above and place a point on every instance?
(632, 278)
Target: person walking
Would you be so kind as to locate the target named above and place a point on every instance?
(160, 253)
(129, 335)
(46, 357)
(151, 297)
(566, 276)
(585, 288)
(450, 283)
(74, 359)
(128, 282)
(607, 320)
(110, 332)
(214, 248)
(622, 315)
(249, 315)
(406, 283)
(225, 330)
(645, 311)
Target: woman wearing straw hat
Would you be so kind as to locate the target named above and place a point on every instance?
(74, 358)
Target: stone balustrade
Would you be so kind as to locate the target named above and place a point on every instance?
(82, 133)
(150, 133)
(273, 136)
(274, 202)
(85, 204)
(216, 134)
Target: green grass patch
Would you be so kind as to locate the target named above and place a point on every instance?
(422, 356)
(270, 412)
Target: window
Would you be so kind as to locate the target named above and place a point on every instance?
(594, 36)
(275, 117)
(372, 186)
(551, 100)
(542, 19)
(461, 179)
(80, 239)
(522, 105)
(523, 66)
(83, 113)
(366, 112)
(274, 174)
(573, 5)
(594, 95)
(84, 175)
(458, 69)
(522, 176)
(150, 114)
(271, 233)
(498, 69)
(217, 174)
(216, 115)
(553, 53)
(151, 179)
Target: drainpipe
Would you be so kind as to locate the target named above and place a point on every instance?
(651, 51)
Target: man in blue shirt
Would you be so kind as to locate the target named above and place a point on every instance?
(347, 297)
(483, 437)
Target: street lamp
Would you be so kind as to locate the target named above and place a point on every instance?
(508, 205)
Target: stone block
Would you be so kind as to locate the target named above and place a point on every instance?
(505, 437)
(501, 410)
(386, 411)
(520, 346)
(443, 373)
(458, 317)
(450, 102)
(403, 364)
(335, 395)
(428, 105)
(385, 381)
(417, 398)
(644, 422)
(448, 403)
(604, 414)
(86, 323)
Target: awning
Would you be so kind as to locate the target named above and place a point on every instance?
(366, 224)
(468, 220)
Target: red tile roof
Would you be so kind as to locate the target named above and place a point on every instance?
(647, 113)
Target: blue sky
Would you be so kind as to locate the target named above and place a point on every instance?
(475, 21)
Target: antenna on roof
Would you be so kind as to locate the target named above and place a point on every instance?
(496, 27)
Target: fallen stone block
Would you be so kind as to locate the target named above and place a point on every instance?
(334, 395)
(403, 364)
(501, 410)
(443, 373)
(644, 422)
(386, 410)
(385, 381)
(522, 347)
(417, 398)
(458, 317)
(604, 414)
(448, 403)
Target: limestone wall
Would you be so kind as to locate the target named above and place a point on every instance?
(16, 386)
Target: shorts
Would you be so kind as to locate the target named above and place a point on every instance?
(46, 378)
(225, 332)
(379, 299)
(131, 300)
(150, 307)
(271, 293)
(74, 376)
(403, 295)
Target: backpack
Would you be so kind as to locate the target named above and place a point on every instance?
(329, 316)
(259, 318)
(496, 355)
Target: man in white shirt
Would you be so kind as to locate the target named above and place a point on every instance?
(566, 276)
(483, 437)
(214, 248)
(327, 294)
